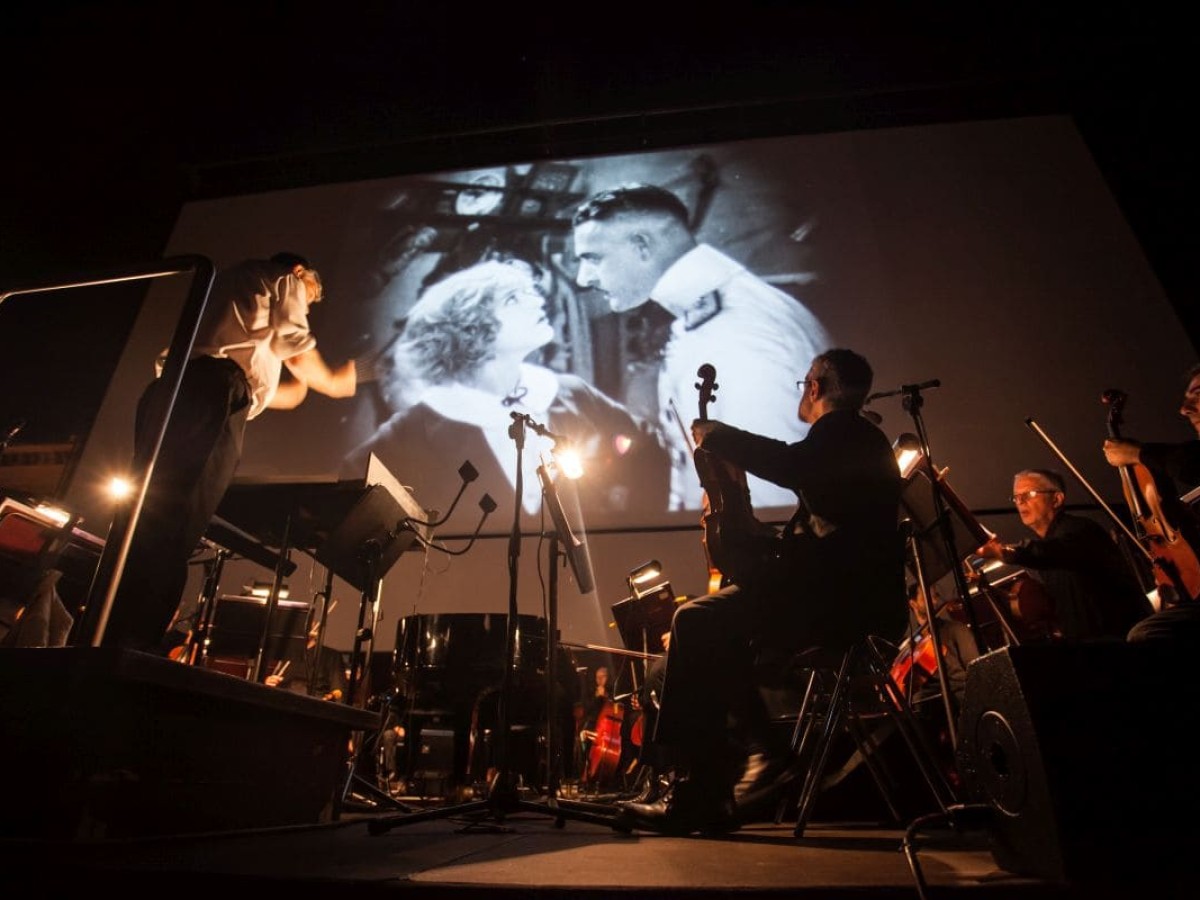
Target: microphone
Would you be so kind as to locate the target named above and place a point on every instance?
(906, 389)
(539, 429)
(14, 429)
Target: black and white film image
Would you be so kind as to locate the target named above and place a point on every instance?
(555, 291)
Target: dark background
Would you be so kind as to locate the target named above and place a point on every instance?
(115, 114)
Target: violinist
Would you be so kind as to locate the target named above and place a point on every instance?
(1095, 593)
(1181, 463)
(918, 666)
(838, 576)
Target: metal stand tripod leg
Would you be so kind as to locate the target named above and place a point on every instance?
(364, 637)
(503, 798)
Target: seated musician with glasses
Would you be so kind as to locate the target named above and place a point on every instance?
(1096, 595)
(838, 576)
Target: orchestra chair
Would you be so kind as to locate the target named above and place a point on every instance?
(848, 692)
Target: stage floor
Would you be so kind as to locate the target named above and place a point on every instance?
(525, 854)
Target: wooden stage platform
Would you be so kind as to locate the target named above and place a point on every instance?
(130, 772)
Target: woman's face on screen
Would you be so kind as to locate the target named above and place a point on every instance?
(524, 327)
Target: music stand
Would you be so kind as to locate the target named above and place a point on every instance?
(503, 797)
(358, 529)
(643, 619)
(917, 501)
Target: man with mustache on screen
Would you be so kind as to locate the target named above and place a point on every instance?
(635, 244)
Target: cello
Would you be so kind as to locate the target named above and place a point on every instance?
(1162, 522)
(605, 751)
(915, 659)
(735, 542)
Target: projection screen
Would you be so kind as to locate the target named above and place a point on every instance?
(986, 256)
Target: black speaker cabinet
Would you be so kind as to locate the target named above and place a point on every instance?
(1086, 754)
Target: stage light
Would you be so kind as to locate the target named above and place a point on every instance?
(908, 453)
(569, 462)
(119, 488)
(622, 443)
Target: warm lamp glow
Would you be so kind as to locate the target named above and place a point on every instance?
(263, 589)
(908, 453)
(646, 578)
(119, 488)
(569, 462)
(645, 572)
(59, 516)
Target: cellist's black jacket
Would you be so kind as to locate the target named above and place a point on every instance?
(850, 581)
(1180, 461)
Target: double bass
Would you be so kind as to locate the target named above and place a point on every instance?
(735, 541)
(1165, 526)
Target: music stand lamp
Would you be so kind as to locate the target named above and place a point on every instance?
(645, 615)
(503, 797)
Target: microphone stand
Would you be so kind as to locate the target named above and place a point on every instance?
(933, 625)
(503, 797)
(913, 401)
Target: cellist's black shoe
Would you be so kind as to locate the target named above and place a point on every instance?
(650, 787)
(684, 808)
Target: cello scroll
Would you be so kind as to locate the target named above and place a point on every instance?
(735, 542)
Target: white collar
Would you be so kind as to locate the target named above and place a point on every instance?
(473, 406)
(700, 271)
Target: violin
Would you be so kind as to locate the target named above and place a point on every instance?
(1160, 519)
(734, 540)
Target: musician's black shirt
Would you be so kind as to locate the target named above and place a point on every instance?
(1095, 593)
(1180, 461)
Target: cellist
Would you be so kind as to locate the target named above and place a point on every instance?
(915, 668)
(1181, 463)
(840, 576)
